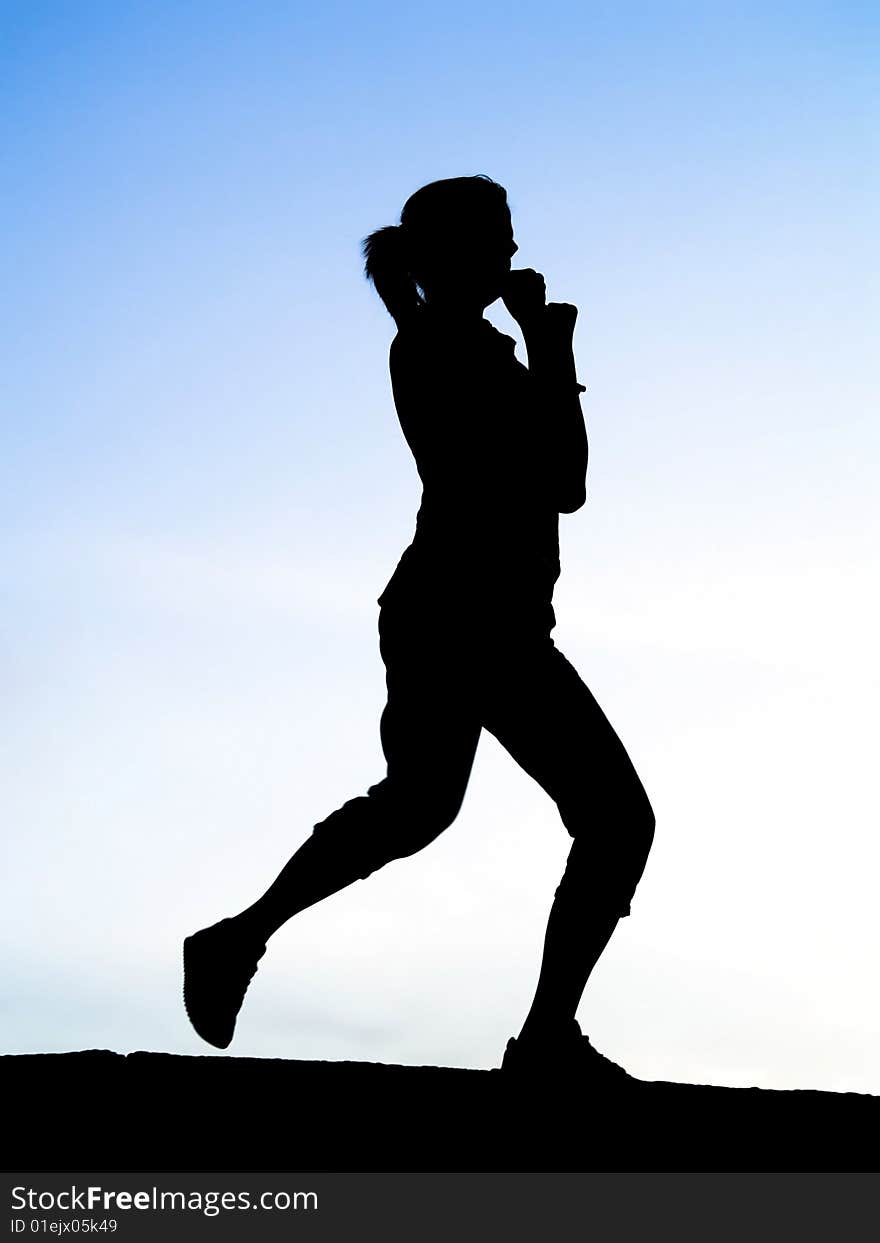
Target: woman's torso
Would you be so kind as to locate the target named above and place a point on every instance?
(486, 544)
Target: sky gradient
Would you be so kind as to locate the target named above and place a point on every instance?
(204, 489)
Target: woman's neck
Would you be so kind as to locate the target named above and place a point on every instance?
(451, 310)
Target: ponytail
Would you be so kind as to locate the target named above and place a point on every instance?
(386, 265)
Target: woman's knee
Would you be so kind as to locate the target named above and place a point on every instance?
(643, 818)
(420, 817)
(391, 822)
(622, 804)
(606, 862)
(636, 816)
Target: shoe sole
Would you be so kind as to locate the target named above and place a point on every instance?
(189, 970)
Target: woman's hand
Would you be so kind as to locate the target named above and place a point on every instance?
(525, 298)
(560, 318)
(525, 295)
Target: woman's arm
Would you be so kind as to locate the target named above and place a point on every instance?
(548, 330)
(551, 363)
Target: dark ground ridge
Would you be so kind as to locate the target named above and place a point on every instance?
(113, 1112)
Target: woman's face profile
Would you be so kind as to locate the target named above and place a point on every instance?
(492, 249)
(475, 261)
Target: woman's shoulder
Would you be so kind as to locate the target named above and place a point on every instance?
(424, 328)
(424, 343)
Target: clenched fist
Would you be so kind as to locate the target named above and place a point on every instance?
(524, 295)
(560, 319)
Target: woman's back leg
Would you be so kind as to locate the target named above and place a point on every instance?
(429, 732)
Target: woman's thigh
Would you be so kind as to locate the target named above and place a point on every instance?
(430, 726)
(542, 713)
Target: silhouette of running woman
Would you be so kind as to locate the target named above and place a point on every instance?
(465, 622)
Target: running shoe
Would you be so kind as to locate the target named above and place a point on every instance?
(568, 1055)
(218, 966)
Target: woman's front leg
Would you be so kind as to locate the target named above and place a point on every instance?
(549, 721)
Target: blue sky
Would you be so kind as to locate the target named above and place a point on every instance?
(204, 490)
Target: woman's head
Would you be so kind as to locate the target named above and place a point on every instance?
(453, 245)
